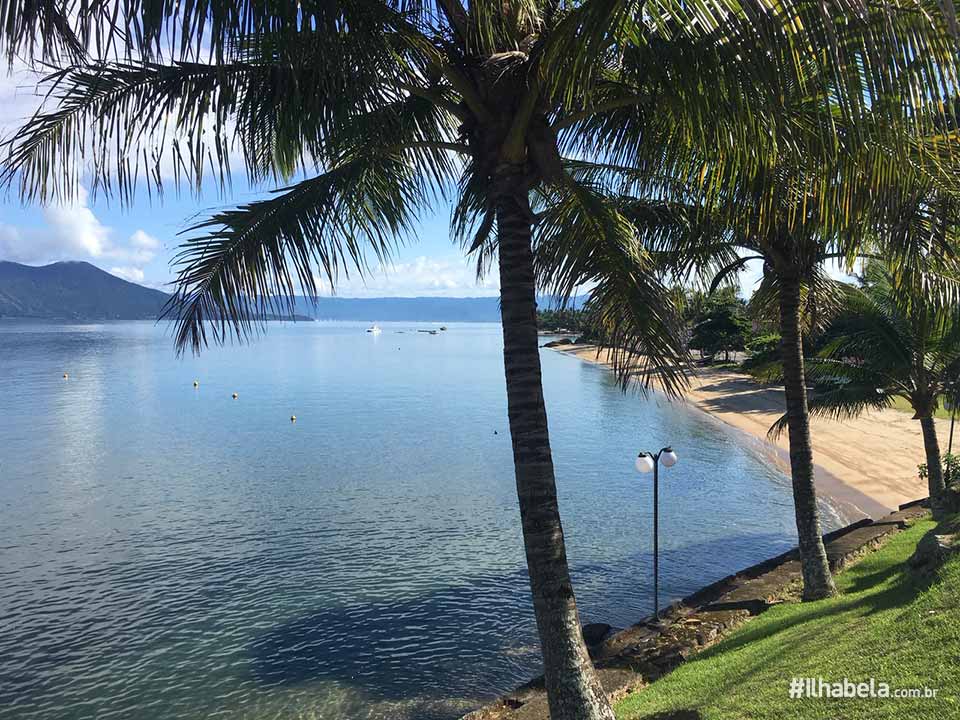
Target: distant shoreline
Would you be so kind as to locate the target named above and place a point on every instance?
(866, 466)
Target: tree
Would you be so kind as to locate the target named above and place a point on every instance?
(374, 108)
(806, 204)
(722, 330)
(720, 326)
(566, 319)
(899, 336)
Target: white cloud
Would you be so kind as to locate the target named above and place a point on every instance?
(127, 273)
(422, 276)
(11, 243)
(72, 231)
(142, 248)
(77, 228)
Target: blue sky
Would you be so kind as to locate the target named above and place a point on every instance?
(138, 242)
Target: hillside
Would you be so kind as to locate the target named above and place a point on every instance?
(409, 309)
(73, 291)
(81, 291)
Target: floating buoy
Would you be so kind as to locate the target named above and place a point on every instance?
(293, 418)
(65, 376)
(196, 383)
(235, 396)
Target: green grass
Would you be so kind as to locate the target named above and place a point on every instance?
(903, 405)
(883, 625)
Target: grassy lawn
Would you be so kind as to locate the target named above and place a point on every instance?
(903, 405)
(883, 626)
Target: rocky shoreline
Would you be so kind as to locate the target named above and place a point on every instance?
(638, 655)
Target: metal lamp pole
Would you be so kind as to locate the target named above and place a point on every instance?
(645, 463)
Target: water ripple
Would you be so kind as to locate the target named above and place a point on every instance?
(170, 552)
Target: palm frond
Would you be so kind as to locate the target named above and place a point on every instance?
(841, 391)
(186, 119)
(252, 260)
(46, 30)
(149, 30)
(583, 239)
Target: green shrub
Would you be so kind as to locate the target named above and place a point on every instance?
(951, 467)
(764, 345)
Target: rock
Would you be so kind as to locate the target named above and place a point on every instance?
(595, 633)
(707, 634)
(557, 343)
(932, 551)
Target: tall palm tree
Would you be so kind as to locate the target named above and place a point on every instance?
(837, 228)
(897, 337)
(803, 208)
(375, 108)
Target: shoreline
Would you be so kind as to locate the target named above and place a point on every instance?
(866, 466)
(638, 655)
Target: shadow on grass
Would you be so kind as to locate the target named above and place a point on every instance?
(874, 587)
(901, 591)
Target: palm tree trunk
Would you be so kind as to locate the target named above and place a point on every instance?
(935, 484)
(817, 581)
(573, 690)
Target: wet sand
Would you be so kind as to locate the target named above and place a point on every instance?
(868, 465)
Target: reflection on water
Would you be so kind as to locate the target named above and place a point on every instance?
(172, 552)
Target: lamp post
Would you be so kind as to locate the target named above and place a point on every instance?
(644, 464)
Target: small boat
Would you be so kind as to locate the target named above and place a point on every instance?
(374, 329)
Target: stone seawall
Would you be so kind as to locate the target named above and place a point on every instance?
(642, 653)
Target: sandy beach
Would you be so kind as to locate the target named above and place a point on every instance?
(867, 465)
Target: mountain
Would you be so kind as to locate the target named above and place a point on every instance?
(74, 291)
(408, 309)
(81, 291)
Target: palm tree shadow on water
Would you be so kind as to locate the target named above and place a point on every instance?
(470, 642)
(435, 646)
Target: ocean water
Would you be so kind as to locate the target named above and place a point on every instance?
(172, 552)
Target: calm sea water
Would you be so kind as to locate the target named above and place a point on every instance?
(172, 552)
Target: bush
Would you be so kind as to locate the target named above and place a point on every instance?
(764, 358)
(951, 467)
(765, 346)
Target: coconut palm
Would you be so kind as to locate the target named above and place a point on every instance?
(800, 210)
(370, 111)
(897, 337)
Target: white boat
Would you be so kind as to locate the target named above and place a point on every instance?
(374, 329)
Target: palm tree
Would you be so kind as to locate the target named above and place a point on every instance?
(897, 337)
(803, 208)
(830, 226)
(373, 109)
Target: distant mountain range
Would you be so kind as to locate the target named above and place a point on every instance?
(409, 309)
(80, 291)
(73, 291)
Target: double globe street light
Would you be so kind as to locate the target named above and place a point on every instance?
(644, 464)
